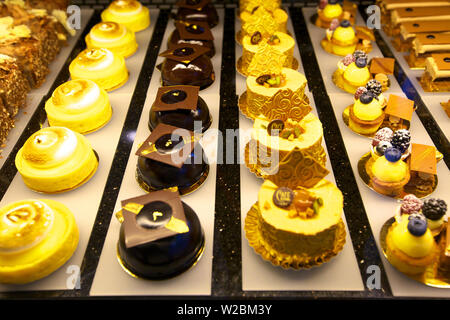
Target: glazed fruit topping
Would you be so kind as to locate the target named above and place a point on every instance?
(348, 59)
(306, 204)
(401, 140)
(382, 147)
(417, 225)
(366, 98)
(271, 80)
(374, 86)
(383, 134)
(345, 24)
(360, 54)
(392, 154)
(361, 62)
(411, 204)
(273, 40)
(334, 24)
(256, 37)
(359, 92)
(434, 209)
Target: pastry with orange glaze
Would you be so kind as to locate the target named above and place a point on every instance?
(56, 159)
(80, 105)
(410, 245)
(102, 66)
(37, 238)
(113, 36)
(130, 13)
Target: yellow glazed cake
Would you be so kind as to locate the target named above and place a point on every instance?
(80, 105)
(279, 41)
(330, 10)
(56, 159)
(113, 36)
(102, 66)
(266, 149)
(366, 114)
(263, 21)
(248, 6)
(340, 40)
(410, 246)
(353, 72)
(37, 238)
(130, 13)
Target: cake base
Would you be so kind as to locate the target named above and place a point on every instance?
(242, 103)
(286, 261)
(365, 164)
(119, 85)
(431, 277)
(434, 86)
(239, 69)
(328, 47)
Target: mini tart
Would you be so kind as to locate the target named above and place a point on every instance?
(48, 238)
(350, 78)
(408, 253)
(342, 42)
(366, 118)
(297, 242)
(389, 178)
(259, 97)
(80, 105)
(310, 142)
(114, 37)
(56, 159)
(285, 46)
(102, 66)
(327, 14)
(130, 13)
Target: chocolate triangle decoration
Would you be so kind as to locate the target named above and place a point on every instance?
(194, 30)
(185, 52)
(297, 169)
(266, 60)
(152, 217)
(423, 158)
(382, 65)
(176, 98)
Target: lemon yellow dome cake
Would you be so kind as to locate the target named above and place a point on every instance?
(352, 72)
(80, 105)
(130, 13)
(113, 36)
(37, 238)
(366, 114)
(102, 66)
(56, 159)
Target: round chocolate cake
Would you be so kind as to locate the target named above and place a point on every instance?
(206, 14)
(176, 39)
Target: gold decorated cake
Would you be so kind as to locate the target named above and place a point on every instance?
(130, 13)
(248, 6)
(113, 36)
(80, 105)
(102, 66)
(263, 21)
(37, 238)
(56, 159)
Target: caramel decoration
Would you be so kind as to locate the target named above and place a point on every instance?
(382, 65)
(423, 158)
(297, 169)
(399, 107)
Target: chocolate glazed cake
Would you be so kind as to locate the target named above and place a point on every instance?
(160, 236)
(197, 10)
(192, 32)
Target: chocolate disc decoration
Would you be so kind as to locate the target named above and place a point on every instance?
(194, 30)
(185, 52)
(283, 197)
(275, 127)
(176, 97)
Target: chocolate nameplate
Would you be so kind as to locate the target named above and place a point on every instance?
(185, 52)
(283, 197)
(275, 127)
(194, 30)
(176, 98)
(152, 217)
(168, 144)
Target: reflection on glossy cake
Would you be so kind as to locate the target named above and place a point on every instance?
(80, 105)
(130, 13)
(113, 36)
(38, 237)
(56, 159)
(102, 66)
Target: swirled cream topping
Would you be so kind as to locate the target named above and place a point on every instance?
(108, 32)
(49, 147)
(24, 224)
(125, 7)
(96, 59)
(76, 94)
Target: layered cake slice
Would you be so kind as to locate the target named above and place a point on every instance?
(408, 31)
(425, 44)
(417, 15)
(436, 77)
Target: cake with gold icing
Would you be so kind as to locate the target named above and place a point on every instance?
(80, 105)
(56, 159)
(297, 221)
(410, 246)
(114, 37)
(248, 6)
(263, 21)
(102, 66)
(37, 238)
(129, 13)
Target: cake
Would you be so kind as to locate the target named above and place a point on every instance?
(409, 30)
(80, 105)
(387, 138)
(192, 32)
(6, 123)
(423, 45)
(160, 236)
(56, 159)
(366, 114)
(102, 66)
(410, 246)
(436, 77)
(180, 106)
(297, 222)
(171, 158)
(263, 21)
(114, 37)
(332, 9)
(37, 238)
(342, 38)
(389, 174)
(255, 43)
(187, 64)
(197, 10)
(130, 13)
(248, 6)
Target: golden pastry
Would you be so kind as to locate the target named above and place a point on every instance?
(102, 66)
(113, 36)
(37, 238)
(56, 159)
(80, 105)
(130, 13)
